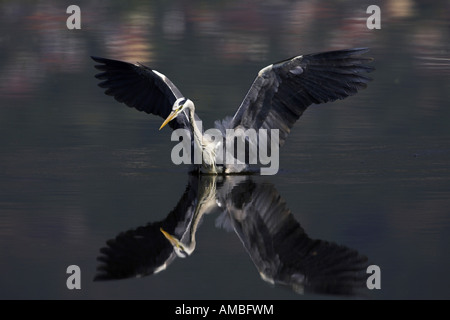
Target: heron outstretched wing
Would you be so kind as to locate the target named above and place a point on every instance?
(141, 88)
(144, 251)
(281, 250)
(282, 91)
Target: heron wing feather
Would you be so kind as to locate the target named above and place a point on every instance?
(144, 250)
(282, 251)
(140, 87)
(283, 91)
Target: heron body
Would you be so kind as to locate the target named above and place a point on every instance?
(279, 95)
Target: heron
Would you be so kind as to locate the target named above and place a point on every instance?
(281, 250)
(278, 96)
(150, 249)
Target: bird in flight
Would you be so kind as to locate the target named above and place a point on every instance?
(277, 98)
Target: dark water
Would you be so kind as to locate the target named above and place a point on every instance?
(370, 173)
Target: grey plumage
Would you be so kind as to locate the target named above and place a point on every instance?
(279, 247)
(282, 251)
(283, 91)
(139, 87)
(144, 251)
(277, 98)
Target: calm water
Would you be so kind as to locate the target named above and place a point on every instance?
(371, 173)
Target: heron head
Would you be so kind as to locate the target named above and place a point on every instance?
(179, 105)
(181, 250)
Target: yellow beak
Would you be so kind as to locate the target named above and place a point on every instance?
(172, 239)
(172, 115)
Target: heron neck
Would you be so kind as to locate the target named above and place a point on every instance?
(197, 133)
(206, 203)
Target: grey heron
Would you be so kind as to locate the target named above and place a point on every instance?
(280, 249)
(151, 248)
(277, 98)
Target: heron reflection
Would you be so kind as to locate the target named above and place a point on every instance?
(277, 244)
(147, 250)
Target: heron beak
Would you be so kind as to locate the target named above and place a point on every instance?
(172, 115)
(171, 239)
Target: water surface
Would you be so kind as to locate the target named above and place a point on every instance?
(370, 173)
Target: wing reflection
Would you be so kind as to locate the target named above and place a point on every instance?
(282, 251)
(278, 246)
(145, 250)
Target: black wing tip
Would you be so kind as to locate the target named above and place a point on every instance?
(360, 49)
(109, 64)
(350, 55)
(351, 51)
(342, 53)
(97, 59)
(105, 60)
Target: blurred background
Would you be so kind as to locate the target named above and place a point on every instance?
(371, 172)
